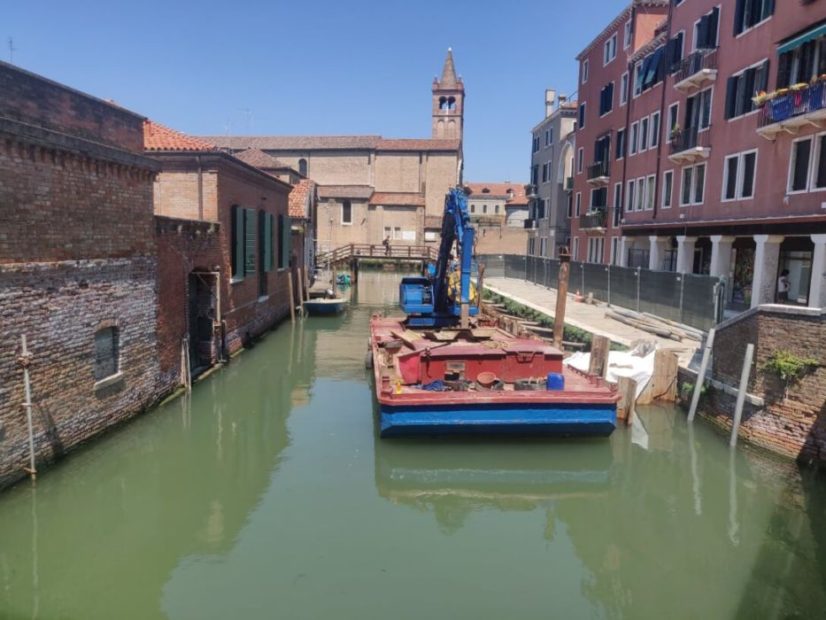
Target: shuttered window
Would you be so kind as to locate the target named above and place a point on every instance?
(742, 87)
(748, 13)
(284, 241)
(250, 235)
(267, 241)
(237, 243)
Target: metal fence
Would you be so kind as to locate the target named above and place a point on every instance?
(692, 299)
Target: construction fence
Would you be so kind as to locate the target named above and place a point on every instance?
(692, 299)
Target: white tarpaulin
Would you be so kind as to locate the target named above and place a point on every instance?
(620, 364)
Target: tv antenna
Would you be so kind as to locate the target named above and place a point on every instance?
(12, 50)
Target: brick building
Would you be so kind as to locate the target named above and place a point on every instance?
(707, 156)
(498, 211)
(369, 186)
(236, 288)
(78, 267)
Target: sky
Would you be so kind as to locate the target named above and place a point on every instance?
(316, 67)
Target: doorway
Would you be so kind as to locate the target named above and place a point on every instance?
(202, 311)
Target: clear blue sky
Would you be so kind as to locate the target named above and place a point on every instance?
(316, 67)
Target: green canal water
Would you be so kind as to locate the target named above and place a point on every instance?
(266, 494)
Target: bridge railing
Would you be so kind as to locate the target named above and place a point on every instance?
(366, 250)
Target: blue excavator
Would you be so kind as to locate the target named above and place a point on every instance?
(445, 296)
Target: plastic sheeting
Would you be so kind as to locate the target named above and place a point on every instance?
(620, 364)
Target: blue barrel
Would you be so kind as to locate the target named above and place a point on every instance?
(555, 381)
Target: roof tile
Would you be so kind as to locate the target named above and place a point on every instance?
(298, 198)
(157, 137)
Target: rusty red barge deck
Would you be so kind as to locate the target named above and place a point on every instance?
(481, 381)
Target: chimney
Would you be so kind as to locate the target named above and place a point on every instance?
(550, 98)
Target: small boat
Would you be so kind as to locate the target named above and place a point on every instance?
(325, 306)
(481, 381)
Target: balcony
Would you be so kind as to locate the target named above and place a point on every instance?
(790, 111)
(569, 184)
(595, 219)
(690, 145)
(696, 71)
(531, 224)
(599, 174)
(530, 190)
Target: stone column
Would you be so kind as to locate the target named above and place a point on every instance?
(817, 290)
(656, 252)
(766, 258)
(721, 260)
(685, 254)
(622, 252)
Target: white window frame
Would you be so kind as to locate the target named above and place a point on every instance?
(617, 201)
(740, 72)
(627, 34)
(630, 192)
(609, 50)
(636, 70)
(580, 158)
(639, 199)
(738, 181)
(611, 109)
(654, 135)
(815, 161)
(650, 192)
(693, 189)
(669, 174)
(623, 94)
(676, 106)
(614, 250)
(709, 90)
(583, 72)
(757, 25)
(634, 138)
(792, 160)
(644, 123)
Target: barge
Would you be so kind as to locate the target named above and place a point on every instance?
(481, 380)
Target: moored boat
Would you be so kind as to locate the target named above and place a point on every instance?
(325, 306)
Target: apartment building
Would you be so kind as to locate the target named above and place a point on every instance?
(549, 192)
(732, 183)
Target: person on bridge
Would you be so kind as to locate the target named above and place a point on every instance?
(386, 244)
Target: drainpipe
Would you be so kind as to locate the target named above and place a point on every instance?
(662, 120)
(200, 188)
(628, 105)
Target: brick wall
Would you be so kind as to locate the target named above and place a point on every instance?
(501, 240)
(793, 421)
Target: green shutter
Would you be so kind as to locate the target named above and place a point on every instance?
(268, 262)
(251, 228)
(237, 242)
(285, 240)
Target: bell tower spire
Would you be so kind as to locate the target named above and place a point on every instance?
(448, 102)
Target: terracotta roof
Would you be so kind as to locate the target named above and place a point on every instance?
(397, 199)
(259, 159)
(295, 143)
(413, 144)
(157, 137)
(299, 196)
(477, 190)
(345, 191)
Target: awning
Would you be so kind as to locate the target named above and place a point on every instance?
(809, 35)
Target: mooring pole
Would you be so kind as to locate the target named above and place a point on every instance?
(701, 375)
(25, 359)
(561, 296)
(741, 394)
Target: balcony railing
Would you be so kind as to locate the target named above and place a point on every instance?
(599, 173)
(596, 217)
(530, 190)
(531, 224)
(695, 70)
(690, 144)
(792, 109)
(569, 184)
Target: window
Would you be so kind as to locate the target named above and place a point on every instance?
(472, 210)
(484, 208)
(655, 129)
(244, 233)
(819, 168)
(629, 195)
(284, 241)
(584, 71)
(576, 249)
(578, 204)
(650, 70)
(609, 51)
(570, 206)
(637, 79)
(650, 192)
(799, 165)
(397, 234)
(535, 146)
(634, 137)
(596, 246)
(668, 186)
(802, 63)
(617, 203)
(602, 149)
(535, 174)
(623, 89)
(265, 233)
(346, 212)
(738, 176)
(620, 149)
(580, 155)
(639, 199)
(675, 51)
(544, 173)
(543, 246)
(749, 13)
(693, 185)
(107, 352)
(705, 30)
(606, 99)
(599, 199)
(643, 135)
(698, 111)
(496, 209)
(581, 118)
(673, 115)
(741, 87)
(302, 167)
(627, 33)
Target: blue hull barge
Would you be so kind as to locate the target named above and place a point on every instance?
(481, 381)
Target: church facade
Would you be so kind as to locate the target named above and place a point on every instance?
(370, 187)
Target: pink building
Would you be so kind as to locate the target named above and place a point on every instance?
(721, 169)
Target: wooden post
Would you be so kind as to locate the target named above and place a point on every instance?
(598, 365)
(663, 383)
(701, 375)
(25, 360)
(627, 388)
(301, 290)
(481, 284)
(741, 394)
(561, 296)
(291, 296)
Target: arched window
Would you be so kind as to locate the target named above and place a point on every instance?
(496, 209)
(443, 104)
(451, 103)
(302, 167)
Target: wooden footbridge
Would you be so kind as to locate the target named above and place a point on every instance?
(352, 255)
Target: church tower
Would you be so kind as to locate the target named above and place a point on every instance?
(448, 103)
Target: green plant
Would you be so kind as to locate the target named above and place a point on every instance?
(788, 366)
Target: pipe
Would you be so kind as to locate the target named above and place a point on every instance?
(200, 188)
(25, 359)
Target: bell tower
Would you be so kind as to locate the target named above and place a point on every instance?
(448, 103)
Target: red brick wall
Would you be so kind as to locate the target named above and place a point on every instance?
(792, 422)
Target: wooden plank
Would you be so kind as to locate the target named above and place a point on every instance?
(627, 388)
(663, 383)
(600, 345)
